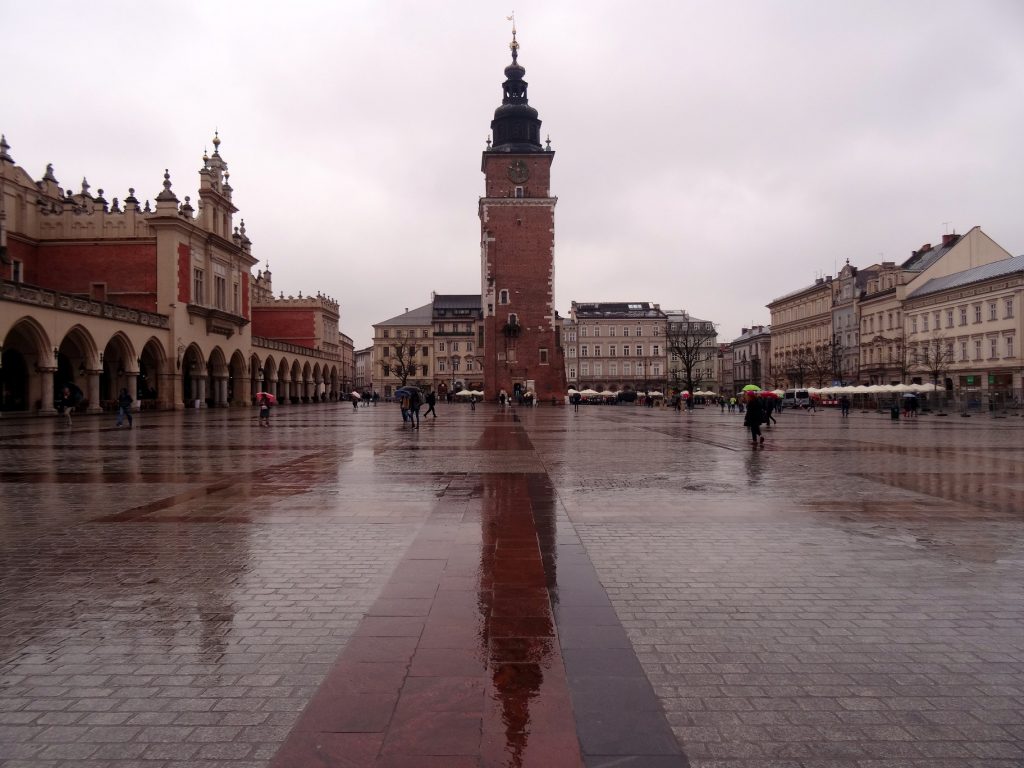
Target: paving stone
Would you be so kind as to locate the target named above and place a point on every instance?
(848, 597)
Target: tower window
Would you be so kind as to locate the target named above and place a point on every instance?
(543, 357)
(519, 192)
(503, 296)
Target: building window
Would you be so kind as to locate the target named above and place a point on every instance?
(1009, 346)
(611, 330)
(977, 313)
(583, 331)
(949, 318)
(220, 290)
(597, 369)
(656, 350)
(423, 370)
(963, 350)
(440, 346)
(656, 370)
(543, 356)
(385, 333)
(597, 350)
(657, 330)
(519, 192)
(572, 373)
(17, 272)
(625, 350)
(455, 363)
(235, 299)
(387, 369)
(977, 349)
(503, 296)
(639, 330)
(938, 320)
(639, 350)
(597, 330)
(584, 350)
(584, 369)
(198, 291)
(572, 351)
(992, 311)
(625, 330)
(924, 322)
(611, 350)
(1009, 308)
(455, 346)
(440, 366)
(426, 351)
(993, 348)
(613, 369)
(469, 346)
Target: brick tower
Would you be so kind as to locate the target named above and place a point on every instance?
(522, 349)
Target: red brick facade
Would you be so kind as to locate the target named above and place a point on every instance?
(184, 284)
(294, 326)
(517, 219)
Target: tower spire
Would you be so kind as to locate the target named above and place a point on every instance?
(516, 127)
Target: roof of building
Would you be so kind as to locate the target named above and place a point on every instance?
(968, 276)
(674, 314)
(750, 333)
(819, 283)
(613, 310)
(456, 301)
(420, 316)
(920, 260)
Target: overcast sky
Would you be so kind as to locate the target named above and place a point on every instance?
(710, 156)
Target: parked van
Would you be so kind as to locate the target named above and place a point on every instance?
(796, 398)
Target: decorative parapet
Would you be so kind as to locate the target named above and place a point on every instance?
(295, 349)
(40, 297)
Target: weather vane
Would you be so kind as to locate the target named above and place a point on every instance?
(513, 45)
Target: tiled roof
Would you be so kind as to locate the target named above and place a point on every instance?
(420, 316)
(968, 276)
(613, 310)
(457, 301)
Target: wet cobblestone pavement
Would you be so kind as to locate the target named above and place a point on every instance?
(625, 586)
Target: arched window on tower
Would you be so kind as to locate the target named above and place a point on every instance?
(503, 296)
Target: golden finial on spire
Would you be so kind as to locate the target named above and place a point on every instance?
(513, 45)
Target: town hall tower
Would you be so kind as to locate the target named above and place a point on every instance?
(522, 350)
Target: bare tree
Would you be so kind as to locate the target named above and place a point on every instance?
(820, 364)
(934, 357)
(799, 366)
(693, 343)
(401, 363)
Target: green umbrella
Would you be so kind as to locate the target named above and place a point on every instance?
(751, 388)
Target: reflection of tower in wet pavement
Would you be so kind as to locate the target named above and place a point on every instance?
(516, 629)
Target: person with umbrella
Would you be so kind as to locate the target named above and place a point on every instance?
(754, 415)
(263, 399)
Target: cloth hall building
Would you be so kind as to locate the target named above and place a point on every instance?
(160, 300)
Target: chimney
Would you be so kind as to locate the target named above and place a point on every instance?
(949, 239)
(743, 331)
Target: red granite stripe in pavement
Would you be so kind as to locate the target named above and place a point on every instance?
(458, 662)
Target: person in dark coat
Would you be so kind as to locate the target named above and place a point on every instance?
(124, 407)
(753, 418)
(431, 402)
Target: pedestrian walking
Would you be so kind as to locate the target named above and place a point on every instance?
(264, 404)
(415, 403)
(124, 407)
(575, 400)
(404, 402)
(431, 402)
(752, 420)
(844, 406)
(472, 402)
(67, 405)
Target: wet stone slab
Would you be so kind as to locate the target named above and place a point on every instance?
(182, 593)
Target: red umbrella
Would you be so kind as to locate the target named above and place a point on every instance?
(270, 398)
(768, 393)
